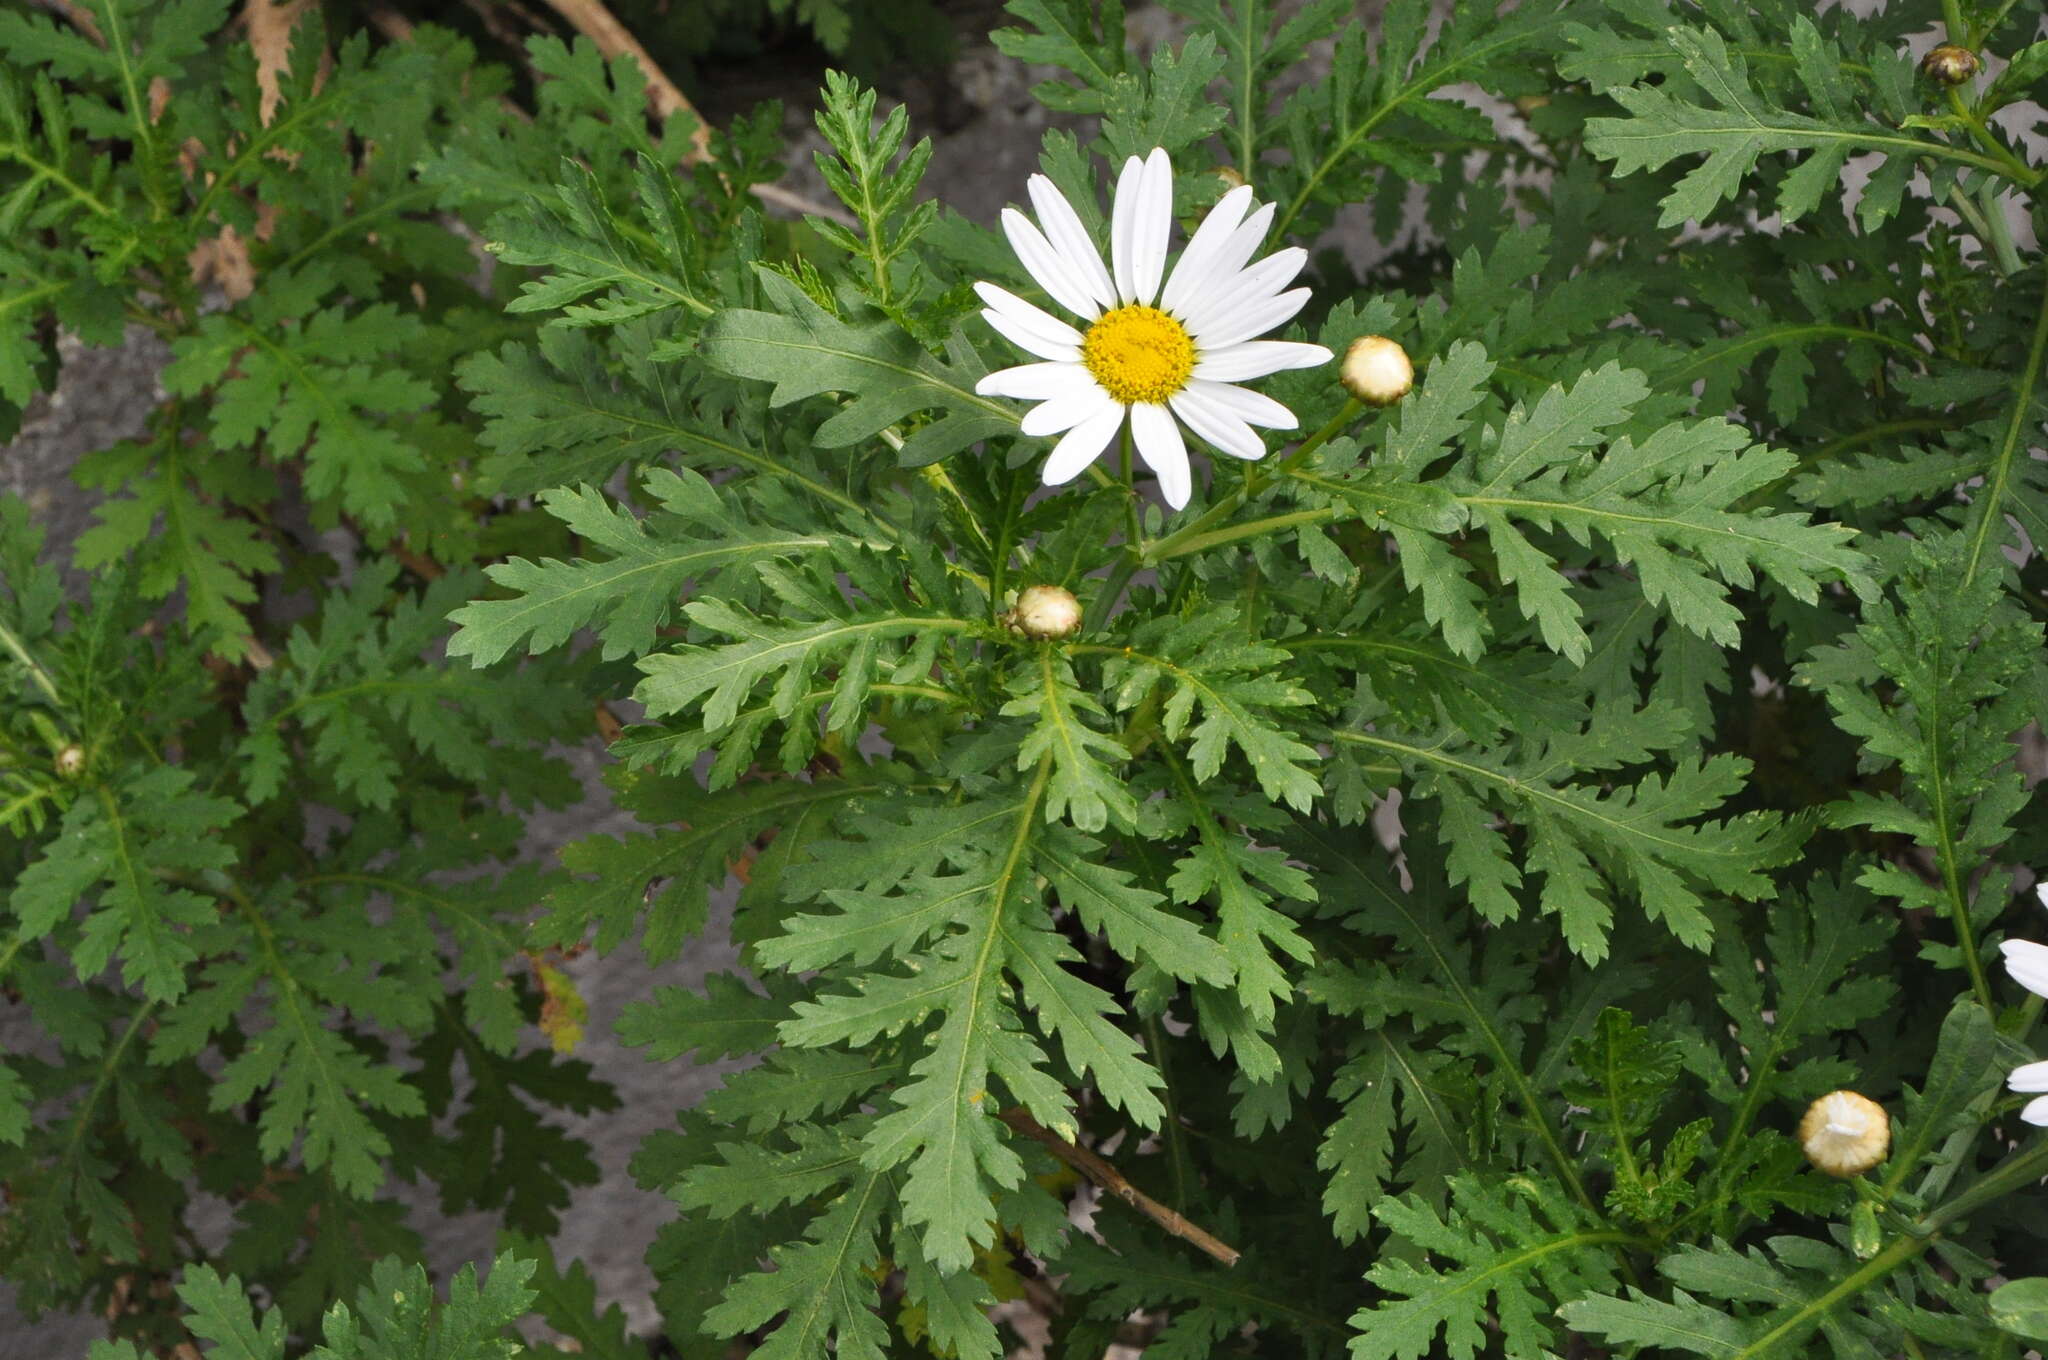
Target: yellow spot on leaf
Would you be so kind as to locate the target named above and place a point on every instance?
(562, 1009)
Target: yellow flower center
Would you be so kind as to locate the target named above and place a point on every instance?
(1138, 353)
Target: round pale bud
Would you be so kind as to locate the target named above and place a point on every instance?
(1231, 176)
(1845, 1134)
(1949, 64)
(1046, 612)
(1376, 370)
(70, 762)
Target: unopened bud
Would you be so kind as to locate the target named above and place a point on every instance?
(1045, 613)
(1376, 370)
(1949, 64)
(1845, 1134)
(70, 762)
(1231, 176)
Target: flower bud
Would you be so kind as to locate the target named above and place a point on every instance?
(1949, 64)
(1376, 370)
(1845, 1134)
(1231, 176)
(70, 762)
(1045, 612)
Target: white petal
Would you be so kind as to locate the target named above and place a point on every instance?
(1140, 221)
(1064, 413)
(1253, 407)
(1028, 313)
(1160, 445)
(1051, 269)
(1155, 225)
(1217, 425)
(1063, 228)
(1035, 382)
(2036, 1111)
(1230, 257)
(1226, 297)
(2028, 964)
(1255, 319)
(1257, 359)
(1210, 237)
(2041, 891)
(2031, 1078)
(1028, 327)
(1123, 212)
(1080, 445)
(1024, 337)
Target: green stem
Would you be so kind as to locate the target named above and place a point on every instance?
(1176, 543)
(1959, 899)
(13, 643)
(1952, 21)
(1170, 1130)
(2020, 1169)
(2003, 251)
(1978, 36)
(2000, 473)
(1169, 548)
(1134, 531)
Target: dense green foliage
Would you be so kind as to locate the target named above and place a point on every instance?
(1443, 867)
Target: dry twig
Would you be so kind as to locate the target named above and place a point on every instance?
(596, 23)
(1112, 1182)
(75, 14)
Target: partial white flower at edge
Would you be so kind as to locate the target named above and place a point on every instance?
(1148, 354)
(2028, 964)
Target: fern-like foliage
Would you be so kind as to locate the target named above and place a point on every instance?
(1934, 686)
(1509, 1252)
(395, 1314)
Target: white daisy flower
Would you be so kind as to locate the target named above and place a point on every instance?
(1148, 353)
(2032, 1079)
(2028, 964)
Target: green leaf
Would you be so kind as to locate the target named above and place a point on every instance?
(313, 384)
(631, 594)
(886, 376)
(1211, 668)
(1083, 789)
(567, 1301)
(116, 849)
(2021, 1308)
(220, 1313)
(351, 700)
(881, 198)
(395, 1317)
(1935, 685)
(1519, 1244)
(1734, 126)
(1589, 839)
(579, 239)
(821, 1286)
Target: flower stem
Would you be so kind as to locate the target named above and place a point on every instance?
(36, 672)
(1134, 532)
(1175, 543)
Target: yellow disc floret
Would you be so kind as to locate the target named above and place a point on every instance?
(1138, 354)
